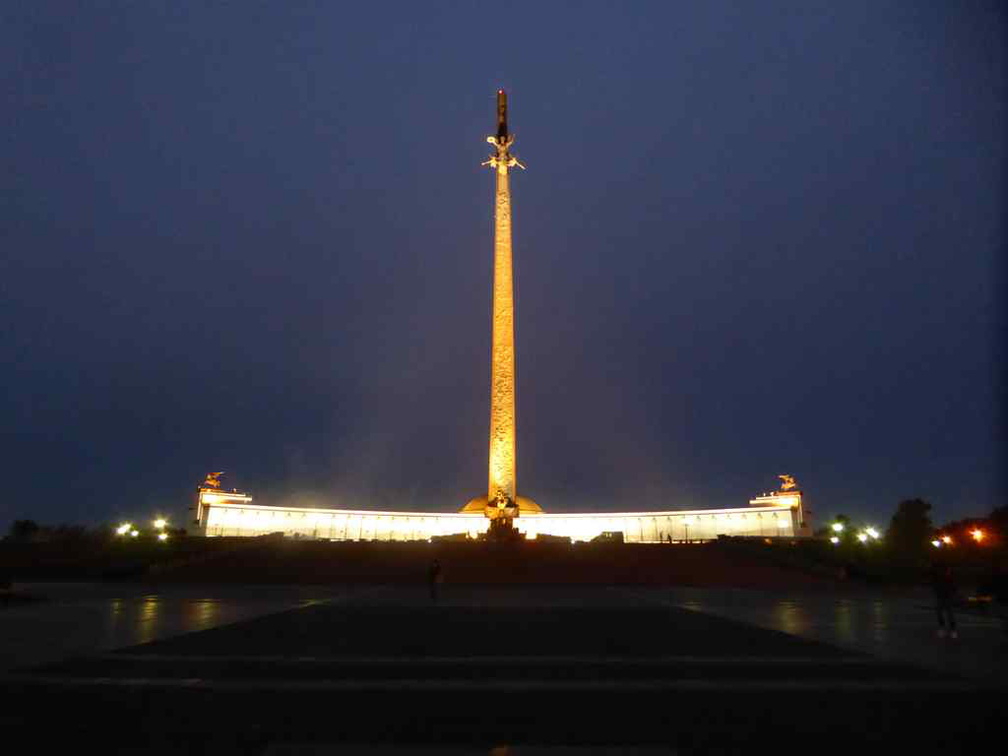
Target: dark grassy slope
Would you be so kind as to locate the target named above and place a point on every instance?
(218, 560)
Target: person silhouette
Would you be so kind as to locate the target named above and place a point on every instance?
(433, 578)
(943, 583)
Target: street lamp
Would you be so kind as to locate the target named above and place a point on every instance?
(837, 527)
(134, 533)
(162, 537)
(872, 533)
(978, 534)
(862, 537)
(124, 529)
(834, 540)
(687, 521)
(947, 540)
(160, 523)
(936, 543)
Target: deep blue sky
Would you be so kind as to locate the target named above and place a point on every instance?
(753, 238)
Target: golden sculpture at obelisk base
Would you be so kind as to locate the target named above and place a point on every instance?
(502, 501)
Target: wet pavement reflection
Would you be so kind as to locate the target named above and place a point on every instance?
(85, 619)
(71, 619)
(899, 626)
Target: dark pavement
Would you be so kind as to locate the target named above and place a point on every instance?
(570, 666)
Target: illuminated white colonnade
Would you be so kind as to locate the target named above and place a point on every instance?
(241, 519)
(336, 524)
(655, 527)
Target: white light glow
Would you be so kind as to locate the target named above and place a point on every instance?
(233, 519)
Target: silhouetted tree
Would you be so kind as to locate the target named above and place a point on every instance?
(910, 528)
(999, 520)
(23, 530)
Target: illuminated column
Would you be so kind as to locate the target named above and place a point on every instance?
(502, 360)
(501, 488)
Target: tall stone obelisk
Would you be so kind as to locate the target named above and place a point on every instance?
(502, 499)
(501, 490)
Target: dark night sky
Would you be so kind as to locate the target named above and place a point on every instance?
(753, 238)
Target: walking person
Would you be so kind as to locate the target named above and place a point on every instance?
(433, 578)
(943, 582)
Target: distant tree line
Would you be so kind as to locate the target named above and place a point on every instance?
(24, 531)
(29, 531)
(911, 530)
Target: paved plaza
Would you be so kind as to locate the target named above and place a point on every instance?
(383, 668)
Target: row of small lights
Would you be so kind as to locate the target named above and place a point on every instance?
(871, 533)
(863, 536)
(976, 534)
(127, 529)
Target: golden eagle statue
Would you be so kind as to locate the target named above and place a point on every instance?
(213, 480)
(787, 482)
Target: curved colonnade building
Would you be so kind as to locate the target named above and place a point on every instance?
(232, 514)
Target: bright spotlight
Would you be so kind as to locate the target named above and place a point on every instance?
(837, 527)
(936, 543)
(978, 534)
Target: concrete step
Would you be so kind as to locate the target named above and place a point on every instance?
(486, 670)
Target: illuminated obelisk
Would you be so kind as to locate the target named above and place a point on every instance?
(501, 491)
(502, 498)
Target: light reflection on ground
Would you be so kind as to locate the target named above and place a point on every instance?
(83, 618)
(899, 626)
(148, 619)
(791, 617)
(880, 621)
(79, 619)
(205, 613)
(845, 621)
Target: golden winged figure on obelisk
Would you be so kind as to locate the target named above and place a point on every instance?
(213, 480)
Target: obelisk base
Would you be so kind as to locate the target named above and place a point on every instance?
(480, 505)
(502, 530)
